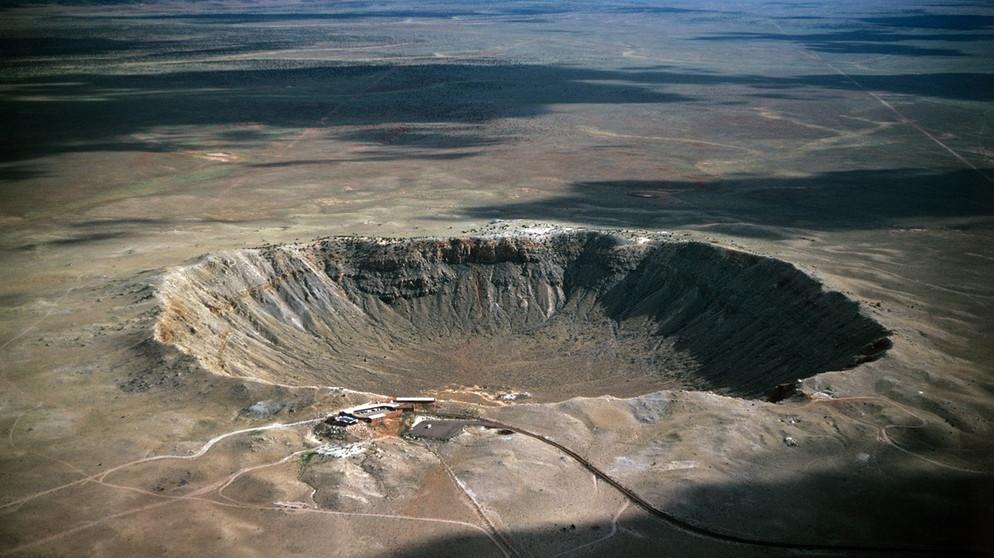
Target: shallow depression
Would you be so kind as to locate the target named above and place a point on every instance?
(558, 315)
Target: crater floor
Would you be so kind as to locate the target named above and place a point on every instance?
(556, 315)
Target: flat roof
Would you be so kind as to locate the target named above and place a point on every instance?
(414, 399)
(373, 410)
(371, 406)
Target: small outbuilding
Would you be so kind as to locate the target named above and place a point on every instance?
(422, 400)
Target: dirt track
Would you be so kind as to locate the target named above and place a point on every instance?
(702, 531)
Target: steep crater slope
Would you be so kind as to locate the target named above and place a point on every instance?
(559, 315)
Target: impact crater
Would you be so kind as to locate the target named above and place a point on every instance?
(557, 315)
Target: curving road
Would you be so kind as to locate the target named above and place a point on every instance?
(704, 532)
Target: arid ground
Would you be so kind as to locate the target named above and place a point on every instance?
(630, 221)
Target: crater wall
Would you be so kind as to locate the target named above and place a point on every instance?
(575, 313)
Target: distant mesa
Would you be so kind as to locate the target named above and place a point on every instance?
(556, 315)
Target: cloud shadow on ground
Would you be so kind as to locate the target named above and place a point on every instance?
(439, 104)
(94, 111)
(904, 510)
(855, 199)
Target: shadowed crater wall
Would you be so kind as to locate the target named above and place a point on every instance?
(559, 315)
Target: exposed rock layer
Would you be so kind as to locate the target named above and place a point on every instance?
(578, 313)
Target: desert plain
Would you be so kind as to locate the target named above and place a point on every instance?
(614, 229)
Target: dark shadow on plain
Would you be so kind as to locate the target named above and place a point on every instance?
(861, 41)
(97, 230)
(150, 50)
(952, 22)
(851, 35)
(927, 512)
(968, 86)
(517, 12)
(15, 173)
(83, 112)
(422, 136)
(145, 223)
(75, 240)
(264, 17)
(373, 157)
(857, 199)
(877, 48)
(68, 46)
